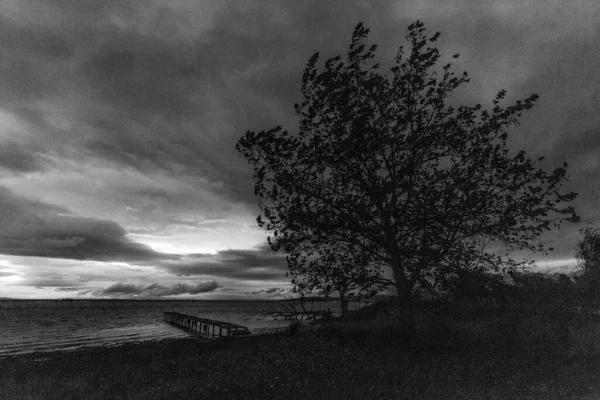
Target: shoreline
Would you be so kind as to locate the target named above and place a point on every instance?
(83, 351)
(141, 345)
(453, 356)
(57, 353)
(90, 346)
(71, 326)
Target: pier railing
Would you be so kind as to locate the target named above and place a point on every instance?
(207, 329)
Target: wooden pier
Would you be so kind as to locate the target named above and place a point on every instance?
(207, 329)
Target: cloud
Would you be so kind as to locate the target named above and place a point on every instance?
(122, 288)
(37, 229)
(49, 282)
(41, 231)
(131, 74)
(126, 114)
(71, 289)
(157, 290)
(270, 291)
(165, 86)
(253, 264)
(19, 159)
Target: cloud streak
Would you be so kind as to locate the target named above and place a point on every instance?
(157, 290)
(258, 264)
(37, 229)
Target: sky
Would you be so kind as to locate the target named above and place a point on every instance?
(118, 121)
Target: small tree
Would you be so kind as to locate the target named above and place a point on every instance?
(588, 258)
(542, 291)
(382, 163)
(477, 287)
(337, 268)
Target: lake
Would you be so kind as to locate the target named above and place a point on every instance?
(28, 326)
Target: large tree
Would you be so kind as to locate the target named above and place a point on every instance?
(383, 163)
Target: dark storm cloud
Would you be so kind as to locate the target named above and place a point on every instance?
(254, 264)
(582, 152)
(38, 40)
(27, 52)
(123, 288)
(37, 229)
(19, 159)
(159, 93)
(145, 74)
(246, 66)
(565, 124)
(156, 290)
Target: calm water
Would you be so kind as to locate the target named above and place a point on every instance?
(41, 326)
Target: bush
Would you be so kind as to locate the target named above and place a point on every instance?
(543, 292)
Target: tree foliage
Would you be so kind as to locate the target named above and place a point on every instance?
(335, 268)
(382, 163)
(477, 287)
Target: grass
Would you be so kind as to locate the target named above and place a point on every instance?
(460, 354)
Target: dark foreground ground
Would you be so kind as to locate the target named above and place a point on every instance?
(455, 355)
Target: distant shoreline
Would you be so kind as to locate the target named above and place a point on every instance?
(334, 299)
(138, 299)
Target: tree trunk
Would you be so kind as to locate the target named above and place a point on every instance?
(400, 280)
(343, 303)
(405, 304)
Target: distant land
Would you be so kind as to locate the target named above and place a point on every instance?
(312, 298)
(379, 297)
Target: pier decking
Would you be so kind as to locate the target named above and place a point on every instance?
(207, 329)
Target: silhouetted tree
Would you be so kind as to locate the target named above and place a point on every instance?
(478, 287)
(382, 163)
(335, 267)
(541, 291)
(588, 258)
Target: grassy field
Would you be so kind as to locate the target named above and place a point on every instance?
(466, 354)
